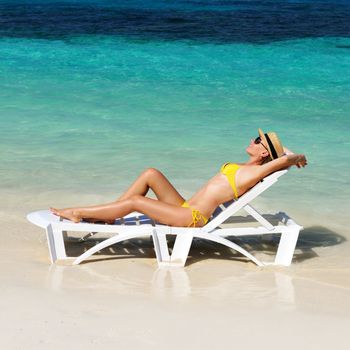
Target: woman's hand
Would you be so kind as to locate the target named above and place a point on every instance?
(297, 159)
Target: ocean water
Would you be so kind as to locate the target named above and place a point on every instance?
(93, 92)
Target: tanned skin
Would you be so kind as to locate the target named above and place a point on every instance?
(167, 208)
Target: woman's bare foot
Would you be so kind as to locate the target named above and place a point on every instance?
(54, 211)
(69, 214)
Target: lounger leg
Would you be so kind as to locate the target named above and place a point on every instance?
(226, 242)
(106, 243)
(181, 248)
(55, 240)
(160, 247)
(286, 247)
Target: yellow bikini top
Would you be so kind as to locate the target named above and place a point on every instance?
(230, 169)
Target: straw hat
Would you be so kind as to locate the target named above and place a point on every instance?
(273, 144)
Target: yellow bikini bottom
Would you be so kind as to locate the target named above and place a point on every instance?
(196, 215)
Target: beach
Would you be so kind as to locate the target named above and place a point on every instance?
(124, 299)
(92, 93)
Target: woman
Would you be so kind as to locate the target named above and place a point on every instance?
(266, 155)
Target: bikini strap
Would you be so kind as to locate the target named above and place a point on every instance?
(223, 167)
(196, 217)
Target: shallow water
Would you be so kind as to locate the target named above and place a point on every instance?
(92, 93)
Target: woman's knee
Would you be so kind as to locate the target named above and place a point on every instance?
(152, 173)
(136, 201)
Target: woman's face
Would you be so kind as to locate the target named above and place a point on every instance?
(257, 148)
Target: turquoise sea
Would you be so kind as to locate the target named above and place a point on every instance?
(93, 92)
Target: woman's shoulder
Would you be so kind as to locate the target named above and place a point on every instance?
(258, 172)
(252, 171)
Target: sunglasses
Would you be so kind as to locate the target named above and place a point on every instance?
(258, 140)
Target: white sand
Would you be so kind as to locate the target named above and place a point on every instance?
(123, 301)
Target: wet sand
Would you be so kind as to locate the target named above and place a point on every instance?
(120, 298)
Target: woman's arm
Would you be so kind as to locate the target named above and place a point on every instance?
(249, 176)
(297, 159)
(283, 162)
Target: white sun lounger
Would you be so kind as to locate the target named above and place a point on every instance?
(138, 225)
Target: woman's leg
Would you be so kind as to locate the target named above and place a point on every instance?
(153, 179)
(165, 213)
(149, 179)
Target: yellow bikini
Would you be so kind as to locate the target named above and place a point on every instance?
(230, 169)
(196, 215)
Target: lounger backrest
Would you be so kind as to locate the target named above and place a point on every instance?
(226, 210)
